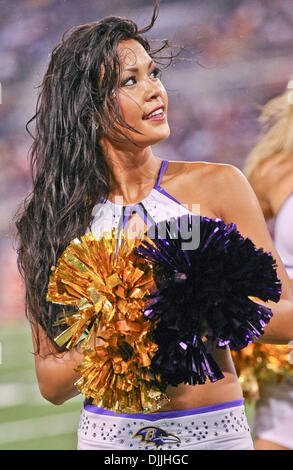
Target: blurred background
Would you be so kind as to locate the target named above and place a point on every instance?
(237, 55)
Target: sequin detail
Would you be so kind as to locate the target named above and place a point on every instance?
(175, 433)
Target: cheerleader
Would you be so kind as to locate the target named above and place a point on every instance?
(101, 108)
(269, 168)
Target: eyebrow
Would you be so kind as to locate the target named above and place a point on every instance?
(135, 69)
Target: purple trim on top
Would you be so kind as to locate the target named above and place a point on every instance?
(288, 265)
(143, 213)
(161, 190)
(165, 414)
(148, 220)
(164, 165)
(141, 210)
(127, 211)
(117, 244)
(148, 217)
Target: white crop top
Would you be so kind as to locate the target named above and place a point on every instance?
(157, 206)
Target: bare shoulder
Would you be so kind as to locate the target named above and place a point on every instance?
(225, 184)
(205, 173)
(221, 189)
(200, 183)
(232, 191)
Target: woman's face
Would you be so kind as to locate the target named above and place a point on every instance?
(140, 92)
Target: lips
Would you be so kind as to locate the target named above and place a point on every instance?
(146, 116)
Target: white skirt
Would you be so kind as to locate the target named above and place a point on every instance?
(217, 427)
(273, 416)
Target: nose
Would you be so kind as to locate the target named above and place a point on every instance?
(152, 88)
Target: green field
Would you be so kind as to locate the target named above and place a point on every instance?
(27, 420)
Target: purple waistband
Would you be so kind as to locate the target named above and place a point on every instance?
(165, 414)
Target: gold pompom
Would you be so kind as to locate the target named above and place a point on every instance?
(109, 291)
(258, 363)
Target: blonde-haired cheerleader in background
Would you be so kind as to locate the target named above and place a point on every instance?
(269, 169)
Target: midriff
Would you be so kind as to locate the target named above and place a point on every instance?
(195, 396)
(186, 396)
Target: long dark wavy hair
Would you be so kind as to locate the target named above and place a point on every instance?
(69, 170)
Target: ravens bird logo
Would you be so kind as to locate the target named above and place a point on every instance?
(156, 436)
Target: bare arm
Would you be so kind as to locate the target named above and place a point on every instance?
(238, 203)
(56, 375)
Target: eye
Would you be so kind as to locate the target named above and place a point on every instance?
(156, 71)
(124, 83)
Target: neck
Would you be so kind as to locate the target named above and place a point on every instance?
(133, 174)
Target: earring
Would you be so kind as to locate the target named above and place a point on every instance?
(97, 125)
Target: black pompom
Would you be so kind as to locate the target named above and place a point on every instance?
(205, 292)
